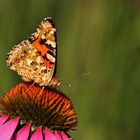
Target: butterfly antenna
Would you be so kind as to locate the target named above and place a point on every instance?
(84, 74)
(80, 75)
(68, 84)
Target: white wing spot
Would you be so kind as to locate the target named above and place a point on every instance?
(51, 58)
(53, 44)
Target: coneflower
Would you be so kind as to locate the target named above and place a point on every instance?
(30, 112)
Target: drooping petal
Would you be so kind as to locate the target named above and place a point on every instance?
(3, 119)
(7, 129)
(23, 133)
(49, 135)
(64, 136)
(37, 135)
(57, 135)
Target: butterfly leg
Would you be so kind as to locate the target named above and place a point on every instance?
(30, 87)
(41, 90)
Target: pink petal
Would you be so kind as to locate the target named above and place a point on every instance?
(3, 119)
(23, 133)
(64, 136)
(7, 129)
(57, 135)
(37, 135)
(49, 135)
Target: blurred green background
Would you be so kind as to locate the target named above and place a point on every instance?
(101, 37)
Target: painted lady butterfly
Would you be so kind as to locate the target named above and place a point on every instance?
(34, 59)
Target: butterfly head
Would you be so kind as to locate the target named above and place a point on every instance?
(55, 82)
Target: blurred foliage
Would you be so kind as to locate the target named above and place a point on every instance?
(101, 37)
